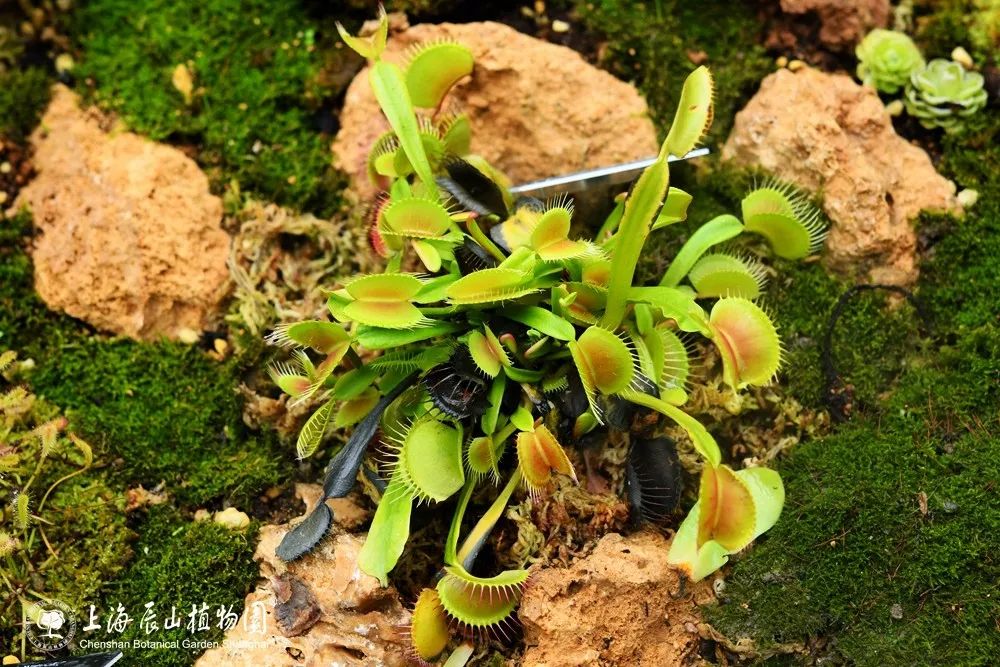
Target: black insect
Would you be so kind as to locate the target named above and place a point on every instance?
(456, 387)
(654, 479)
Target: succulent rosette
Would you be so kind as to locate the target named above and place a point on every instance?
(944, 94)
(886, 59)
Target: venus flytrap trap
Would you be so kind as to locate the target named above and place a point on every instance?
(512, 339)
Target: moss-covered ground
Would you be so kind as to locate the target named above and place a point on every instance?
(255, 109)
(886, 553)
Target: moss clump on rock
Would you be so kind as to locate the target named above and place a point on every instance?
(254, 74)
(180, 564)
(657, 43)
(159, 412)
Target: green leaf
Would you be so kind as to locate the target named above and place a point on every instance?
(495, 398)
(480, 602)
(433, 69)
(542, 320)
(354, 410)
(390, 90)
(793, 226)
(676, 304)
(377, 338)
(312, 432)
(388, 533)
(487, 352)
(430, 459)
(747, 340)
(719, 274)
(641, 207)
(702, 439)
(718, 229)
(694, 113)
(674, 209)
(353, 382)
(416, 217)
(490, 286)
(368, 47)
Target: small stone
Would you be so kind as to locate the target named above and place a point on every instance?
(968, 197)
(796, 65)
(962, 57)
(188, 336)
(183, 81)
(232, 518)
(64, 63)
(894, 108)
(697, 56)
(781, 62)
(202, 515)
(560, 26)
(896, 611)
(922, 502)
(5, 167)
(221, 346)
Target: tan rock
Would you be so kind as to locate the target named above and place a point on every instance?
(827, 134)
(350, 512)
(317, 611)
(842, 22)
(536, 109)
(615, 607)
(130, 239)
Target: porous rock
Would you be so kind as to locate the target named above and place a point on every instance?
(129, 234)
(842, 22)
(317, 611)
(615, 607)
(826, 133)
(536, 109)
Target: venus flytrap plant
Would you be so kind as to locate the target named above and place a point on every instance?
(516, 339)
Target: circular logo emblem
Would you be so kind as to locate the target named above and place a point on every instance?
(53, 627)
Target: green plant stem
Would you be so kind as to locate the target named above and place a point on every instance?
(482, 529)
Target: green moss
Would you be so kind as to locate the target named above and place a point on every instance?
(255, 69)
(853, 542)
(653, 43)
(180, 564)
(23, 95)
(161, 412)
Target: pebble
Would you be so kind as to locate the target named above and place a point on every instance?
(796, 65)
(962, 57)
(894, 108)
(560, 26)
(896, 611)
(232, 518)
(968, 197)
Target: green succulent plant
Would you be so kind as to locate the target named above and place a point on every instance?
(944, 94)
(886, 59)
(509, 339)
